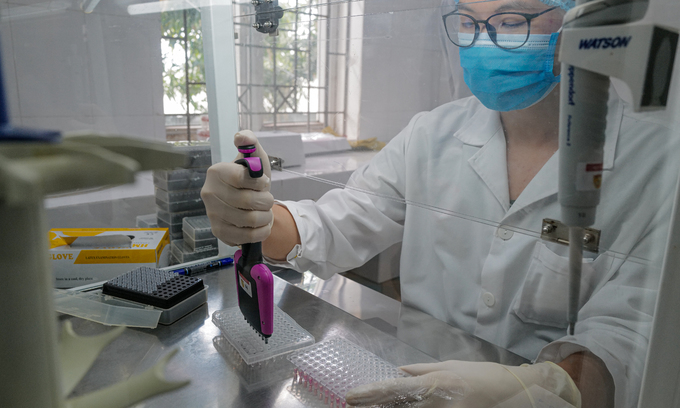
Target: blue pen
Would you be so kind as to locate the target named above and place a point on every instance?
(203, 267)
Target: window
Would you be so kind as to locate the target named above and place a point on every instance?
(284, 82)
(185, 100)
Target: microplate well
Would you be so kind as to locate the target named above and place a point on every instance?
(331, 368)
(257, 375)
(287, 336)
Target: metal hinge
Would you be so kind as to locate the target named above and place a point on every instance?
(556, 231)
(267, 16)
(276, 163)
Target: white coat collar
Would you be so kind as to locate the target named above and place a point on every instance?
(480, 127)
(484, 130)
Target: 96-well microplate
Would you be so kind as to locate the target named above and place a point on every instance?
(287, 335)
(331, 368)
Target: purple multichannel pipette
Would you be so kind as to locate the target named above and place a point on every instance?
(254, 280)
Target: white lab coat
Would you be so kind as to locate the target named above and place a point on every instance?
(474, 261)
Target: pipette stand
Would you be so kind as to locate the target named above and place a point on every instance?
(30, 169)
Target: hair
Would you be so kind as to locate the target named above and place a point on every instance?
(565, 5)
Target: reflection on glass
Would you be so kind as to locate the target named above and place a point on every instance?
(465, 186)
(447, 186)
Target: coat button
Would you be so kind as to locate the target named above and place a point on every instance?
(504, 234)
(488, 299)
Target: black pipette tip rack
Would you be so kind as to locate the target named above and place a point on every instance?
(153, 287)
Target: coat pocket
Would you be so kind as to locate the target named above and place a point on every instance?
(544, 297)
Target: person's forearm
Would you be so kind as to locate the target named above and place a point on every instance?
(592, 379)
(284, 235)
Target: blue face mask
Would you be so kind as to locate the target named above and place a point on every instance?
(505, 80)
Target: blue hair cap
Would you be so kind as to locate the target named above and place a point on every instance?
(566, 5)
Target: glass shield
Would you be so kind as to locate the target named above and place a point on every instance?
(114, 68)
(418, 143)
(466, 187)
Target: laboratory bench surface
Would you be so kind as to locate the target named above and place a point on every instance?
(337, 307)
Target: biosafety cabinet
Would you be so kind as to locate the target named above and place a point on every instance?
(427, 145)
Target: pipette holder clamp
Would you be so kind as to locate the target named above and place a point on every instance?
(267, 16)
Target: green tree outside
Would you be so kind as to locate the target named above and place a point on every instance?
(293, 69)
(175, 38)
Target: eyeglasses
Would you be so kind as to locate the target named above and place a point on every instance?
(463, 29)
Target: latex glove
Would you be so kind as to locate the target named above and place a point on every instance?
(463, 384)
(239, 207)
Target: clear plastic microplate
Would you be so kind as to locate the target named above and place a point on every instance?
(257, 375)
(287, 336)
(331, 368)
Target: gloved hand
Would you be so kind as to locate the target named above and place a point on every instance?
(239, 207)
(463, 384)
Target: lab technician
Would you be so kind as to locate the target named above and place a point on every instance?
(492, 159)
